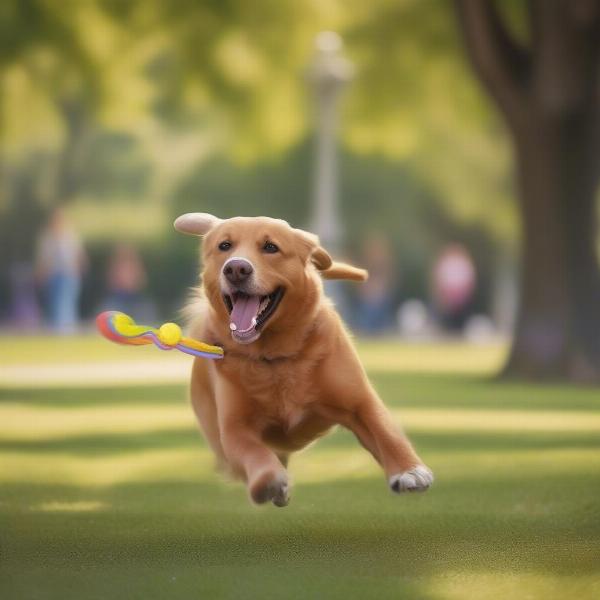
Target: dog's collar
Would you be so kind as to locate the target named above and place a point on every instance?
(265, 359)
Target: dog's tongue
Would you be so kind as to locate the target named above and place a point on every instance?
(244, 309)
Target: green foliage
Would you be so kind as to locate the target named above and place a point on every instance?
(100, 99)
(380, 196)
(119, 168)
(235, 71)
(413, 99)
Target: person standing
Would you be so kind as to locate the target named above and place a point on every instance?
(126, 283)
(454, 281)
(61, 261)
(375, 308)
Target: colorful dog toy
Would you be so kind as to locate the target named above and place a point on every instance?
(121, 328)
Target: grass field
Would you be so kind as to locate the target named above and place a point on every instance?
(109, 493)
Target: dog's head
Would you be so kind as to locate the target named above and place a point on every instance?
(261, 273)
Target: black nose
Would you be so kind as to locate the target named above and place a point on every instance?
(237, 270)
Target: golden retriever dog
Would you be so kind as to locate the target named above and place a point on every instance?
(290, 372)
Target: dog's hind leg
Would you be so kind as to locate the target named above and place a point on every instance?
(361, 410)
(350, 421)
(404, 469)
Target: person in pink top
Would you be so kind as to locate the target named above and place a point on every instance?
(453, 282)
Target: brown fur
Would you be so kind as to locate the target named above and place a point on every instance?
(302, 376)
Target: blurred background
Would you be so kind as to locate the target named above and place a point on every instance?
(451, 148)
(119, 116)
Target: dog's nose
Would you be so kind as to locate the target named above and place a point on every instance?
(237, 270)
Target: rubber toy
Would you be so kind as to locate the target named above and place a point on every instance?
(121, 328)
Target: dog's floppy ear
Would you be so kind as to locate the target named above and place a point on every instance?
(317, 255)
(196, 223)
(321, 259)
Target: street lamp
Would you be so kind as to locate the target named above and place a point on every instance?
(328, 75)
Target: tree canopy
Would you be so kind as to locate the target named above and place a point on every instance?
(232, 76)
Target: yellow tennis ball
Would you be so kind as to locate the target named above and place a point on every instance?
(170, 334)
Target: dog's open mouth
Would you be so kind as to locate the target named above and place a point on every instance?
(249, 313)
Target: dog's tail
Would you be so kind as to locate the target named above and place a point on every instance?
(339, 270)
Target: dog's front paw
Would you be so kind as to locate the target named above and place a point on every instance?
(273, 488)
(417, 479)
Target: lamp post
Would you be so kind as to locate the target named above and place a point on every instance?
(328, 75)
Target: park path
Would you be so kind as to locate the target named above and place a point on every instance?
(103, 373)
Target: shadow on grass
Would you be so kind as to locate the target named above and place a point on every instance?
(397, 389)
(190, 438)
(480, 393)
(519, 524)
(339, 538)
(79, 397)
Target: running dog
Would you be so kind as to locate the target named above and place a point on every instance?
(290, 372)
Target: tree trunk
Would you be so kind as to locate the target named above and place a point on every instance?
(549, 94)
(558, 326)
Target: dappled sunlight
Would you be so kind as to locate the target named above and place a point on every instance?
(23, 422)
(87, 361)
(45, 423)
(61, 506)
(321, 465)
(439, 357)
(122, 479)
(428, 357)
(501, 585)
(50, 350)
(497, 420)
(455, 466)
(131, 467)
(316, 466)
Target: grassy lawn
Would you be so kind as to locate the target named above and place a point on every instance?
(110, 493)
(377, 355)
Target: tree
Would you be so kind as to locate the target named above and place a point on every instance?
(37, 38)
(61, 72)
(548, 91)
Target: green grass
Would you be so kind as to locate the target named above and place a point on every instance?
(110, 493)
(49, 349)
(377, 355)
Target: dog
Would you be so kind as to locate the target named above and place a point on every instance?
(290, 372)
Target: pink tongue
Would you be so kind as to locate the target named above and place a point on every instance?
(244, 308)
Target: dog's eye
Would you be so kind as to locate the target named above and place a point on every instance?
(270, 248)
(224, 246)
